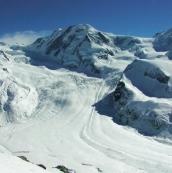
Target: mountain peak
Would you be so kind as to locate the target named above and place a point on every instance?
(163, 41)
(75, 45)
(83, 26)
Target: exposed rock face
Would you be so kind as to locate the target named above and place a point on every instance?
(42, 166)
(23, 158)
(121, 94)
(163, 41)
(64, 169)
(26, 160)
(4, 55)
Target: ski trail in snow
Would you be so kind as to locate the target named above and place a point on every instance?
(73, 133)
(89, 136)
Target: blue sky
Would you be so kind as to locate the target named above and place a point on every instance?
(133, 17)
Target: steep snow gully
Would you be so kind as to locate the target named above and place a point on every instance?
(80, 114)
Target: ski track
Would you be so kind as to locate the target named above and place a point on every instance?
(77, 136)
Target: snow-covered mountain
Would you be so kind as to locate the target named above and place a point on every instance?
(82, 100)
(85, 48)
(143, 97)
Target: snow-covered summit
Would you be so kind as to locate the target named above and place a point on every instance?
(82, 46)
(75, 46)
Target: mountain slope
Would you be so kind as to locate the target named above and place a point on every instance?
(12, 164)
(49, 111)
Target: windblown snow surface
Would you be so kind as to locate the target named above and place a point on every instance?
(87, 100)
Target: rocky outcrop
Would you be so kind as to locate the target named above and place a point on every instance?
(64, 169)
(163, 41)
(148, 117)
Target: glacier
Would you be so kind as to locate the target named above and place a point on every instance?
(81, 100)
